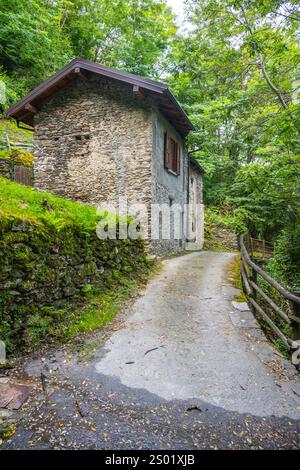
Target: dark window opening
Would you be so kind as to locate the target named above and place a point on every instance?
(79, 137)
(171, 154)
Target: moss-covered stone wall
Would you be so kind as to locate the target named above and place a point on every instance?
(42, 265)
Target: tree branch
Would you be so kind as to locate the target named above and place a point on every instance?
(271, 84)
(262, 64)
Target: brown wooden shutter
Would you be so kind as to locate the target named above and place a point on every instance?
(167, 160)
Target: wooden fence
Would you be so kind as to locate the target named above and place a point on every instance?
(23, 174)
(7, 143)
(259, 299)
(266, 249)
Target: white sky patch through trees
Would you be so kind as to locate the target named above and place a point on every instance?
(178, 8)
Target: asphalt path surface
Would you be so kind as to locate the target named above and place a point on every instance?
(182, 367)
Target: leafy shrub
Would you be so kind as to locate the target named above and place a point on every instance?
(285, 264)
(17, 156)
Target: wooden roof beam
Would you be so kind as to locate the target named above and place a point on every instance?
(32, 109)
(24, 116)
(138, 92)
(78, 72)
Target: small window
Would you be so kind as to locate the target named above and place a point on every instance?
(81, 137)
(171, 154)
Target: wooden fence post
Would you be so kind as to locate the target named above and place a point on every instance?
(7, 141)
(254, 279)
(296, 320)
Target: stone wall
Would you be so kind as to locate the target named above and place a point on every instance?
(44, 268)
(93, 143)
(5, 168)
(196, 212)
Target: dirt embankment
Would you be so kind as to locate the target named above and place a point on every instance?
(221, 238)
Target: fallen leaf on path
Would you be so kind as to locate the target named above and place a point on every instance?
(153, 349)
(193, 408)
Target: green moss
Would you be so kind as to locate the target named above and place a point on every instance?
(53, 264)
(88, 269)
(235, 278)
(99, 308)
(7, 430)
(17, 156)
(31, 206)
(9, 128)
(4, 154)
(104, 305)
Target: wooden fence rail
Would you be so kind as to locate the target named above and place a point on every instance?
(6, 143)
(261, 246)
(258, 298)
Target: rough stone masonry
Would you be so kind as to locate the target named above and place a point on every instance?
(95, 141)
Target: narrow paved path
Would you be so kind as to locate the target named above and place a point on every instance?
(185, 340)
(185, 370)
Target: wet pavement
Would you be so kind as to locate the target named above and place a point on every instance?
(181, 368)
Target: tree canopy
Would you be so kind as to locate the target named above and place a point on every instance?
(38, 37)
(237, 72)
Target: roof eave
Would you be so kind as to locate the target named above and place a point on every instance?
(179, 108)
(184, 124)
(196, 165)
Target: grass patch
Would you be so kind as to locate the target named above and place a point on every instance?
(36, 206)
(281, 347)
(236, 281)
(216, 248)
(235, 278)
(99, 308)
(9, 128)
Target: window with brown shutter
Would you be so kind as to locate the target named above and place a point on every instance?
(171, 154)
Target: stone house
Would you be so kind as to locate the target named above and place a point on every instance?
(101, 134)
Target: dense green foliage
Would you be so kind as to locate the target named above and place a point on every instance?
(18, 156)
(51, 257)
(237, 73)
(37, 37)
